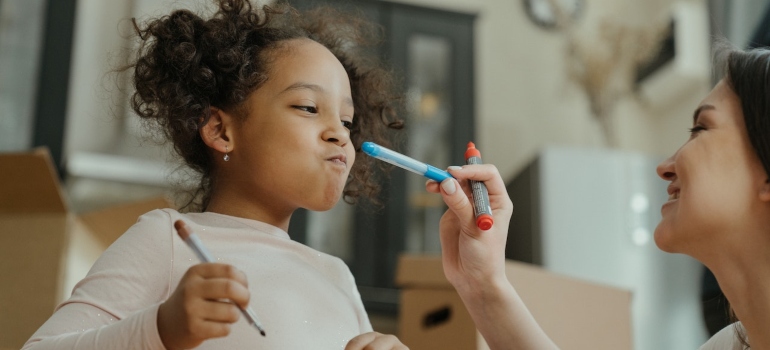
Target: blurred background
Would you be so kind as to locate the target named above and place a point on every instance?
(575, 102)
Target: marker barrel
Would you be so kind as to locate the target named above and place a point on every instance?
(481, 206)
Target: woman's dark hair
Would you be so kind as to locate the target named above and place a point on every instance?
(187, 64)
(747, 72)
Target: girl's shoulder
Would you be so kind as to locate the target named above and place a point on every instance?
(133, 272)
(154, 221)
(725, 339)
(151, 231)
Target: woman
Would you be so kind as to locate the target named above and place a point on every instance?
(718, 212)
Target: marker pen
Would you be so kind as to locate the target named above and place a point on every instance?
(402, 161)
(200, 250)
(481, 207)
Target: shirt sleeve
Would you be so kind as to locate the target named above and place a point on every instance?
(363, 317)
(725, 339)
(115, 306)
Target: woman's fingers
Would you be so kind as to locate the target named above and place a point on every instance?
(500, 202)
(457, 194)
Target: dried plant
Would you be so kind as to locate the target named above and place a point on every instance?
(604, 62)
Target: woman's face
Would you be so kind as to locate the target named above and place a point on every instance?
(293, 149)
(715, 180)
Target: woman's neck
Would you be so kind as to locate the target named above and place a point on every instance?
(745, 280)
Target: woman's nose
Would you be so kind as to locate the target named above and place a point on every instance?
(666, 169)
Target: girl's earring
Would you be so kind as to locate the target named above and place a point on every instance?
(226, 157)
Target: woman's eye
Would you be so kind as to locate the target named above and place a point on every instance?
(347, 124)
(696, 129)
(309, 109)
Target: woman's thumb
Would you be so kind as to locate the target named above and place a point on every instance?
(457, 201)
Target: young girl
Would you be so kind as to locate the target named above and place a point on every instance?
(718, 212)
(271, 109)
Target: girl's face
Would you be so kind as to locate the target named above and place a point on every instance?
(293, 149)
(715, 180)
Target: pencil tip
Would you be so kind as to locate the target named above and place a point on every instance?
(263, 333)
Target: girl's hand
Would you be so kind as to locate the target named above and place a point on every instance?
(375, 341)
(200, 307)
(473, 258)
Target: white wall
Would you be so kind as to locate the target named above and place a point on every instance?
(524, 99)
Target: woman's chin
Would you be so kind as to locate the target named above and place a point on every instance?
(664, 240)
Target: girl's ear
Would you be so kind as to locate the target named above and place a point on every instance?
(217, 132)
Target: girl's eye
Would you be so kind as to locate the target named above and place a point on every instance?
(696, 129)
(347, 124)
(309, 109)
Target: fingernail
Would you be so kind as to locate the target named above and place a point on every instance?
(449, 186)
(454, 167)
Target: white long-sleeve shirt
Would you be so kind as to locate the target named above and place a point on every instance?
(725, 339)
(305, 299)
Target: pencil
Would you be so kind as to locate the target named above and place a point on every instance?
(196, 245)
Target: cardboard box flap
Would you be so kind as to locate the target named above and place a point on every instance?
(426, 271)
(30, 183)
(421, 270)
(576, 314)
(108, 224)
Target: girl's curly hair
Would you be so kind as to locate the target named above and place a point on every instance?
(186, 64)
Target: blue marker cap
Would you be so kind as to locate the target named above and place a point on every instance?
(405, 162)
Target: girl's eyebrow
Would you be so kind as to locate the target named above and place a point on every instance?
(700, 109)
(313, 87)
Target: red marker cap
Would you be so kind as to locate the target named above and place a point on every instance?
(484, 221)
(472, 151)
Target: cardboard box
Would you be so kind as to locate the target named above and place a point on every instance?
(44, 248)
(577, 315)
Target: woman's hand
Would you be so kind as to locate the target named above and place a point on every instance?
(375, 341)
(474, 261)
(473, 258)
(200, 307)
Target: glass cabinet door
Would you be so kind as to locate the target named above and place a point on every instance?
(21, 35)
(428, 122)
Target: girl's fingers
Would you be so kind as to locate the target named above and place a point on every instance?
(217, 311)
(204, 329)
(214, 270)
(375, 341)
(386, 342)
(223, 289)
(360, 341)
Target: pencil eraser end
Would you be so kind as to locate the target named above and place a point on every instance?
(181, 229)
(485, 222)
